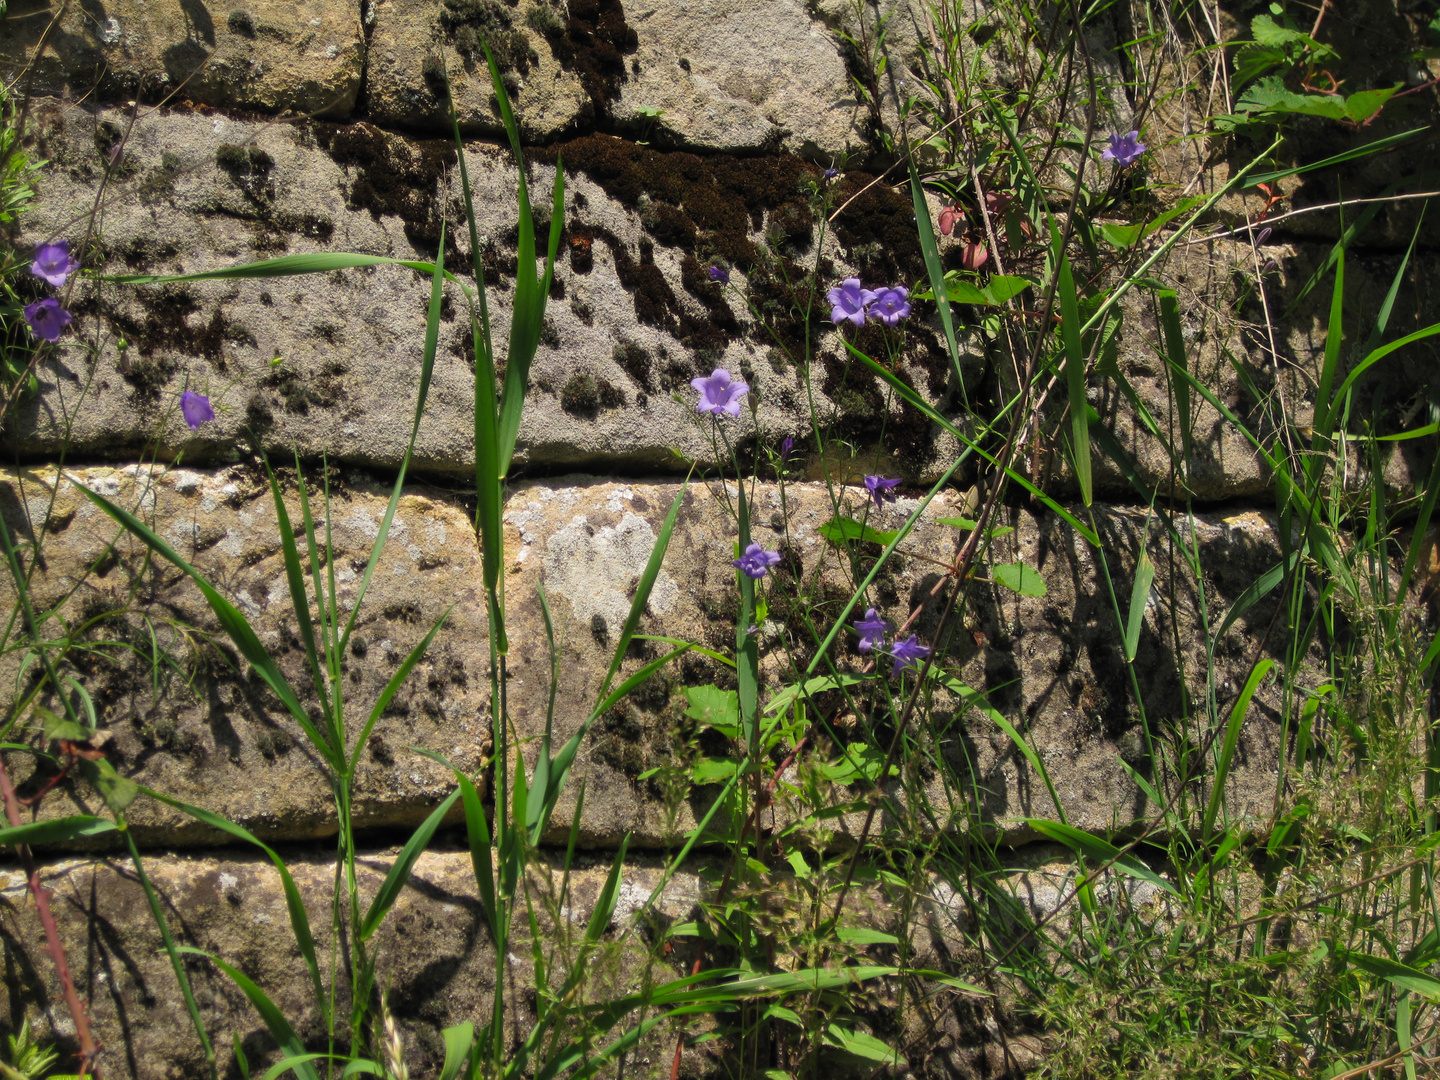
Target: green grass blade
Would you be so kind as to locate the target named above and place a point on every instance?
(1422, 524)
(478, 833)
(285, 1064)
(163, 925)
(74, 827)
(934, 270)
(413, 657)
(904, 390)
(1075, 380)
(540, 781)
(1379, 354)
(1325, 409)
(295, 905)
(234, 624)
(400, 869)
(427, 368)
(1100, 851)
(1179, 359)
(1382, 317)
(459, 1040)
(299, 599)
(284, 266)
(280, 1029)
(1139, 597)
(1232, 738)
(643, 590)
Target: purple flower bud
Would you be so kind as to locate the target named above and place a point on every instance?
(849, 301)
(716, 273)
(719, 394)
(831, 174)
(196, 409)
(881, 489)
(1124, 150)
(907, 653)
(891, 305)
(1263, 235)
(785, 448)
(755, 561)
(872, 628)
(54, 263)
(47, 318)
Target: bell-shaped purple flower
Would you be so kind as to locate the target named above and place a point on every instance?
(718, 273)
(196, 409)
(881, 490)
(54, 263)
(871, 629)
(1124, 150)
(47, 318)
(755, 561)
(907, 653)
(719, 393)
(891, 305)
(831, 174)
(848, 302)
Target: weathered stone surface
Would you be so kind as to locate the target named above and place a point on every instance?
(436, 962)
(269, 55)
(414, 42)
(194, 729)
(731, 76)
(1051, 665)
(329, 363)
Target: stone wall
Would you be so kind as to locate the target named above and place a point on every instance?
(182, 137)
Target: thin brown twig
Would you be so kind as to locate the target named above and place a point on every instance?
(89, 1049)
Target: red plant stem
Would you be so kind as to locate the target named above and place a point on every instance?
(89, 1051)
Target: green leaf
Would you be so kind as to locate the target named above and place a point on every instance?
(840, 529)
(1003, 287)
(280, 1029)
(818, 685)
(1075, 379)
(1139, 597)
(971, 523)
(860, 1044)
(865, 935)
(716, 708)
(1019, 578)
(57, 831)
(1361, 106)
(1397, 974)
(458, 1041)
(400, 869)
(1232, 738)
(117, 791)
(1099, 851)
(709, 770)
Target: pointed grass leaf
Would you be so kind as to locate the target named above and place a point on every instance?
(1075, 380)
(392, 687)
(294, 904)
(1100, 852)
(860, 1044)
(279, 1027)
(934, 269)
(75, 827)
(400, 869)
(458, 1041)
(1178, 356)
(231, 621)
(477, 832)
(285, 1064)
(1232, 739)
(1017, 577)
(646, 585)
(1139, 598)
(970, 524)
(1401, 976)
(284, 266)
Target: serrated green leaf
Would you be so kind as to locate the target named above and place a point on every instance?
(713, 707)
(1019, 578)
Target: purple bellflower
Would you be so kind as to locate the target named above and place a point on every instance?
(47, 318)
(786, 448)
(719, 393)
(891, 305)
(849, 301)
(831, 174)
(871, 629)
(881, 490)
(196, 409)
(907, 653)
(1124, 150)
(755, 561)
(54, 263)
(720, 274)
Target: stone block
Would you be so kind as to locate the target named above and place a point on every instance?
(265, 55)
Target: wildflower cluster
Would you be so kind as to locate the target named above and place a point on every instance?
(53, 264)
(849, 302)
(906, 652)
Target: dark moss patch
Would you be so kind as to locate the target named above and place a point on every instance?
(166, 327)
(877, 231)
(298, 390)
(635, 362)
(392, 175)
(248, 167)
(585, 394)
(472, 24)
(593, 42)
(159, 182)
(273, 231)
(582, 311)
